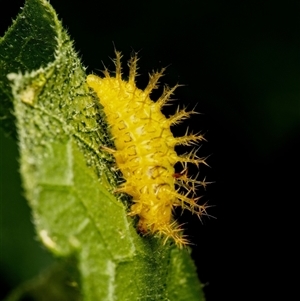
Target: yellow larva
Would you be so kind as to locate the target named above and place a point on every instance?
(145, 151)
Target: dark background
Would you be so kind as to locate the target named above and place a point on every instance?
(239, 62)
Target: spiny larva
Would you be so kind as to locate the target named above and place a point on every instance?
(145, 151)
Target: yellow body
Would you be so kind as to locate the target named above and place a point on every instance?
(145, 150)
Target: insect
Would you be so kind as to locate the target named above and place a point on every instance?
(145, 151)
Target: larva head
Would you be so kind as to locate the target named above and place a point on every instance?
(145, 151)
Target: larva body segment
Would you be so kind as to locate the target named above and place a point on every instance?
(145, 151)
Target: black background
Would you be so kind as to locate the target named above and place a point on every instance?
(239, 62)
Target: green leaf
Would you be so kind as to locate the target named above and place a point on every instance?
(68, 180)
(27, 45)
